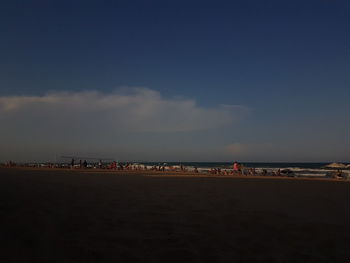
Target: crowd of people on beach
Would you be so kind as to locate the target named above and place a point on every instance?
(128, 166)
(237, 169)
(9, 164)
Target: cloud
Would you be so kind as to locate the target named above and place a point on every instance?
(137, 110)
(129, 122)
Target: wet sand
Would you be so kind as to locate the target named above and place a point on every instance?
(97, 216)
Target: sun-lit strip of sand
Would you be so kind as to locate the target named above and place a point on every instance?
(178, 174)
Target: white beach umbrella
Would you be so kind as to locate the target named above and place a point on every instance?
(336, 165)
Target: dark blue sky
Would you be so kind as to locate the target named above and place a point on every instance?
(287, 61)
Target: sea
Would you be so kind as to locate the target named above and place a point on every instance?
(296, 169)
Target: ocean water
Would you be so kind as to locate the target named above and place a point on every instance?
(297, 169)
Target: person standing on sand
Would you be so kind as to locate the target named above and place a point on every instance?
(85, 163)
(241, 169)
(72, 163)
(236, 167)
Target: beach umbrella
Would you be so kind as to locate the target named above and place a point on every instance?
(336, 165)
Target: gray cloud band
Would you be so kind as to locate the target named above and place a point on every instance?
(138, 110)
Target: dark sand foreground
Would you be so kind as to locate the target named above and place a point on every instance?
(72, 216)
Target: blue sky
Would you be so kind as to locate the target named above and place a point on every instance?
(283, 65)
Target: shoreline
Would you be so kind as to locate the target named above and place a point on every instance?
(148, 173)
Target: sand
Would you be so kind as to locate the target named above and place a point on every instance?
(97, 216)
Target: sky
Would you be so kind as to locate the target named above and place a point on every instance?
(151, 80)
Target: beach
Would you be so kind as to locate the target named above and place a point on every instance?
(62, 215)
